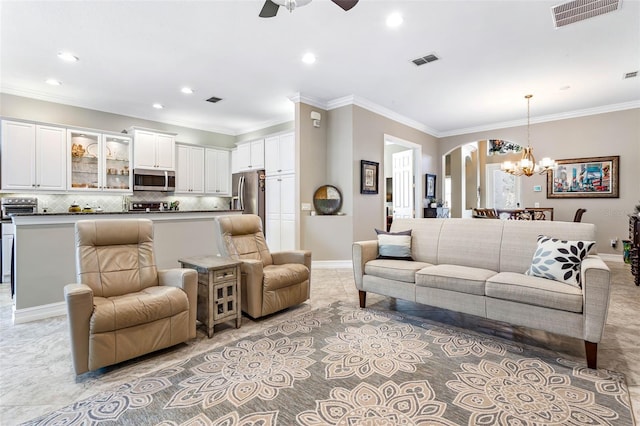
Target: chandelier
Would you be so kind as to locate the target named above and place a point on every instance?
(527, 165)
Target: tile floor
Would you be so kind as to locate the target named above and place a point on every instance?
(36, 375)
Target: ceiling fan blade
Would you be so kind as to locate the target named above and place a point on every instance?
(345, 4)
(269, 9)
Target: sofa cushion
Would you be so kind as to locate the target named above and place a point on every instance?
(394, 245)
(534, 291)
(463, 279)
(280, 276)
(399, 270)
(559, 260)
(132, 309)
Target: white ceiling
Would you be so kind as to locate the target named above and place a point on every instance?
(134, 53)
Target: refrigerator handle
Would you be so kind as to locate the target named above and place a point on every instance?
(241, 192)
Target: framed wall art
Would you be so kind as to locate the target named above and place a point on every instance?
(368, 177)
(430, 186)
(592, 177)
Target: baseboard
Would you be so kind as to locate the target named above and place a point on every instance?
(35, 313)
(331, 264)
(608, 257)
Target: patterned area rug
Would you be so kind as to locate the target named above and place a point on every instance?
(342, 365)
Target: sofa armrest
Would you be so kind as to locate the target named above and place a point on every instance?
(362, 252)
(187, 280)
(596, 281)
(292, 256)
(79, 300)
(252, 287)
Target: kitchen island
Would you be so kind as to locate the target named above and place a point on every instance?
(44, 259)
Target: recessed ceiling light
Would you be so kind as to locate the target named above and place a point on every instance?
(187, 90)
(158, 106)
(309, 58)
(394, 20)
(66, 56)
(53, 82)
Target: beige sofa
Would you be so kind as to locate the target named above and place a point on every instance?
(477, 267)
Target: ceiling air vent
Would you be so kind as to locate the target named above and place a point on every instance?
(425, 59)
(579, 10)
(213, 99)
(630, 74)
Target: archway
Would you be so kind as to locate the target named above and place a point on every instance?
(469, 172)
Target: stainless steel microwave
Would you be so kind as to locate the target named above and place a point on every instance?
(154, 180)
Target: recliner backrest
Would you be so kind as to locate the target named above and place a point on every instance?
(241, 237)
(115, 256)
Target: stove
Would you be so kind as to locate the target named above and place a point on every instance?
(150, 206)
(14, 205)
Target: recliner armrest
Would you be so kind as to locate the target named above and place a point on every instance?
(252, 277)
(187, 280)
(292, 256)
(79, 300)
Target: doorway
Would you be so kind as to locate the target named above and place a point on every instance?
(410, 183)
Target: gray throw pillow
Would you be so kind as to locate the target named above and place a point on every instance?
(394, 245)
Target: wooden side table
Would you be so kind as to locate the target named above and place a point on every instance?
(218, 289)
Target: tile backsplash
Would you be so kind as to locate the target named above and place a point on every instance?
(59, 203)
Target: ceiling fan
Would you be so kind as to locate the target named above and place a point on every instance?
(270, 8)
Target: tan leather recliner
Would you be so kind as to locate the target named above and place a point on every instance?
(125, 307)
(270, 281)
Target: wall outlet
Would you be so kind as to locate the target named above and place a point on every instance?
(305, 207)
(614, 242)
(536, 205)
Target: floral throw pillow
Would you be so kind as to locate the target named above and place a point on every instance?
(394, 245)
(559, 260)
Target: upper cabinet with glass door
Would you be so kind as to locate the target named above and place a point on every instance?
(98, 162)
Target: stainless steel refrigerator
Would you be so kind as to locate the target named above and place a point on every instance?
(248, 193)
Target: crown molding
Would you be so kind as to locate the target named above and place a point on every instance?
(366, 104)
(543, 119)
(32, 94)
(315, 102)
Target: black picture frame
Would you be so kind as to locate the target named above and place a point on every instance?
(368, 177)
(430, 186)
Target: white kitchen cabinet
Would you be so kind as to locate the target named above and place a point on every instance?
(190, 169)
(280, 154)
(249, 156)
(98, 161)
(280, 212)
(33, 157)
(217, 173)
(153, 150)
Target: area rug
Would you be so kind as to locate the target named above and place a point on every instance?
(342, 365)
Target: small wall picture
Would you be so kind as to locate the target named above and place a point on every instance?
(430, 186)
(368, 177)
